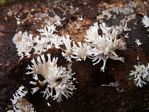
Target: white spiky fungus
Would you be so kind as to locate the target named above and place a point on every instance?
(67, 52)
(145, 21)
(46, 40)
(49, 32)
(140, 75)
(56, 42)
(92, 33)
(40, 44)
(20, 104)
(59, 81)
(81, 51)
(24, 43)
(104, 45)
(62, 83)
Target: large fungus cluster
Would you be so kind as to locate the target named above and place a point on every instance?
(100, 43)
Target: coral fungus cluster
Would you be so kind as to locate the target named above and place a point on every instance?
(100, 42)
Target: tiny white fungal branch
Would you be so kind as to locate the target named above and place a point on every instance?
(105, 44)
(20, 104)
(145, 21)
(137, 41)
(140, 75)
(67, 52)
(59, 81)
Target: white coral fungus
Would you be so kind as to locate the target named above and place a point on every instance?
(81, 51)
(24, 43)
(20, 104)
(27, 44)
(105, 44)
(59, 81)
(48, 32)
(78, 51)
(140, 75)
